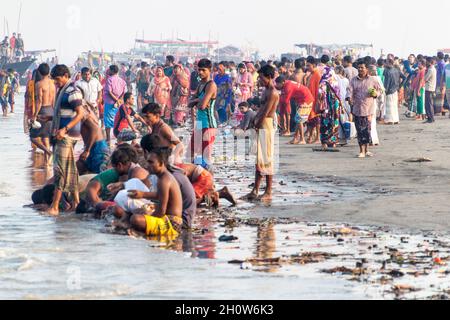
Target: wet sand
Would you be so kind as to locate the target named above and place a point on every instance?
(411, 196)
(293, 258)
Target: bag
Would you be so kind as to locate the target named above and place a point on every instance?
(350, 130)
(127, 135)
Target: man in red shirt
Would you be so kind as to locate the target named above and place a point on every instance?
(12, 43)
(303, 100)
(123, 119)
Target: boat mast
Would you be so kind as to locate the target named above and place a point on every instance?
(18, 21)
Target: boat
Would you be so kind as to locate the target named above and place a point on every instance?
(19, 67)
(22, 66)
(354, 49)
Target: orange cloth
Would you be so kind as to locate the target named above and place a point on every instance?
(312, 82)
(203, 185)
(30, 106)
(30, 99)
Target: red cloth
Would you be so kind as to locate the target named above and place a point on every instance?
(208, 137)
(296, 91)
(204, 184)
(418, 81)
(120, 121)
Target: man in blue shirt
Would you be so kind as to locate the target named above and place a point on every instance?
(440, 85)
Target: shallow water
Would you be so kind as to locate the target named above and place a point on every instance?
(77, 258)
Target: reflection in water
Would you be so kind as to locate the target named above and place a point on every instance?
(205, 242)
(266, 245)
(200, 244)
(39, 173)
(37, 252)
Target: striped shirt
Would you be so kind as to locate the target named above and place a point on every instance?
(72, 99)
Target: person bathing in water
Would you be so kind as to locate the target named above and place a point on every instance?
(166, 220)
(203, 183)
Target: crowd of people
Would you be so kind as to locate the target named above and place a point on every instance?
(124, 179)
(9, 87)
(12, 49)
(144, 180)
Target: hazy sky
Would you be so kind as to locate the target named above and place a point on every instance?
(73, 26)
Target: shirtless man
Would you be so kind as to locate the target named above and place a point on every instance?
(46, 93)
(143, 83)
(96, 149)
(166, 220)
(264, 124)
(150, 194)
(165, 134)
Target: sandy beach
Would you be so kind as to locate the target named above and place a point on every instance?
(408, 195)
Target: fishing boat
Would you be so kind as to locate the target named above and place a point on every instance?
(354, 49)
(19, 67)
(25, 65)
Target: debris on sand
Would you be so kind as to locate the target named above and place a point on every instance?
(225, 238)
(340, 270)
(401, 289)
(302, 259)
(396, 274)
(246, 266)
(325, 150)
(267, 261)
(418, 160)
(311, 257)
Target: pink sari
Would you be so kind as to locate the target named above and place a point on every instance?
(161, 88)
(246, 91)
(180, 96)
(246, 87)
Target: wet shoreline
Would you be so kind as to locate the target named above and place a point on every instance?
(299, 241)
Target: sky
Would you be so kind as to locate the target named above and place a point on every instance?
(274, 27)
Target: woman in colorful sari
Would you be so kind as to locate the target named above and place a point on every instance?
(224, 94)
(244, 90)
(252, 70)
(30, 103)
(160, 89)
(418, 89)
(180, 94)
(378, 107)
(329, 106)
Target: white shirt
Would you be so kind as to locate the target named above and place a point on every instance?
(343, 83)
(431, 79)
(90, 90)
